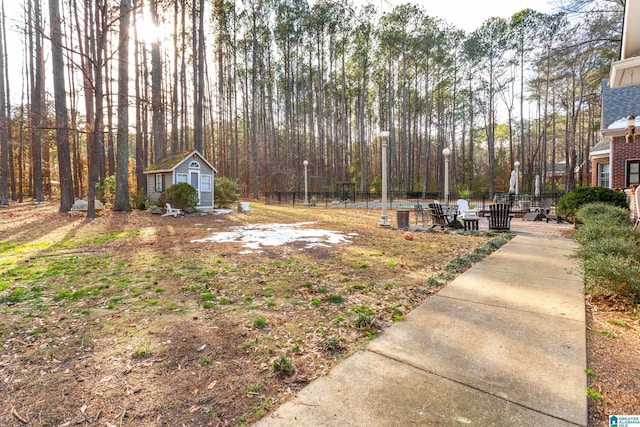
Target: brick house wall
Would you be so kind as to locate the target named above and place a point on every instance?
(621, 151)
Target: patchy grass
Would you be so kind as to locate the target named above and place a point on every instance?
(126, 306)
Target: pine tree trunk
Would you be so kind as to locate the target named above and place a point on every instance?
(62, 123)
(37, 83)
(122, 166)
(5, 125)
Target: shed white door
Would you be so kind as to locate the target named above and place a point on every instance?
(194, 180)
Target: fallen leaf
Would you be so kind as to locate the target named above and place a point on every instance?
(212, 385)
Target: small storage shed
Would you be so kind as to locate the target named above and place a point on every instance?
(188, 166)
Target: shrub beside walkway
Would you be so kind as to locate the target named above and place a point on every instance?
(503, 344)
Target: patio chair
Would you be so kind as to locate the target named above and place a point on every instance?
(172, 211)
(540, 212)
(464, 211)
(499, 216)
(421, 215)
(438, 217)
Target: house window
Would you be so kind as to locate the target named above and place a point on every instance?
(603, 175)
(181, 177)
(194, 165)
(633, 172)
(205, 183)
(159, 183)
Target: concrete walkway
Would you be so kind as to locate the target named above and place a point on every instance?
(502, 345)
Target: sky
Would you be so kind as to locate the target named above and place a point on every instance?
(469, 15)
(464, 14)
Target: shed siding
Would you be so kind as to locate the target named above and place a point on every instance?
(152, 194)
(206, 197)
(184, 166)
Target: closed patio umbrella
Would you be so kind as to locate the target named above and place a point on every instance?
(537, 186)
(512, 182)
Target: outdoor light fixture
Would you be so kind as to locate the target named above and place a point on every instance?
(631, 129)
(446, 153)
(306, 186)
(384, 138)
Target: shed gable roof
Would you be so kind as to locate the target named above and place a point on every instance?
(170, 162)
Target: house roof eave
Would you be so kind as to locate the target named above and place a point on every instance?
(611, 133)
(157, 171)
(630, 30)
(622, 72)
(599, 154)
(625, 72)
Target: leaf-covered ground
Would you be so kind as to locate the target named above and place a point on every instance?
(123, 320)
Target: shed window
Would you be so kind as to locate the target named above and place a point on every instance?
(181, 177)
(205, 183)
(194, 165)
(159, 183)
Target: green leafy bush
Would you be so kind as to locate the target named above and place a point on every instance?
(106, 189)
(613, 273)
(139, 200)
(601, 211)
(225, 192)
(569, 204)
(609, 249)
(182, 196)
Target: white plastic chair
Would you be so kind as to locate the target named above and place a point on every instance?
(464, 211)
(172, 211)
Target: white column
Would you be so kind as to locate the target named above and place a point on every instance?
(446, 153)
(384, 138)
(306, 185)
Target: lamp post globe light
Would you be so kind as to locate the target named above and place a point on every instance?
(384, 138)
(306, 184)
(446, 153)
(516, 165)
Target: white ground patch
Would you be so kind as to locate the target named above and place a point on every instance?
(256, 236)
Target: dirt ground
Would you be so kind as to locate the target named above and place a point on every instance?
(613, 357)
(124, 321)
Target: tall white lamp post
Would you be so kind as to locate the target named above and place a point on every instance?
(384, 138)
(306, 186)
(516, 165)
(446, 153)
